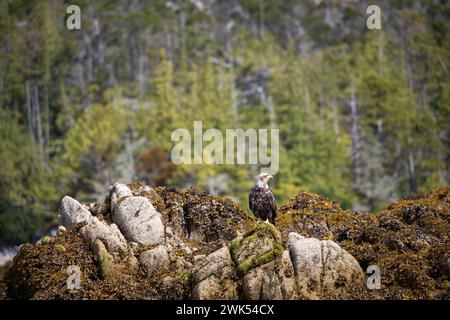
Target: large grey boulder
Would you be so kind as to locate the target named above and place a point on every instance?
(72, 213)
(212, 277)
(323, 269)
(139, 220)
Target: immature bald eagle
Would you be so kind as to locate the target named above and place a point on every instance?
(261, 199)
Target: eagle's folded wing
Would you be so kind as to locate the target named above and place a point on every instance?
(273, 204)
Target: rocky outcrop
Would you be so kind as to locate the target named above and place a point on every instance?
(323, 269)
(405, 241)
(163, 243)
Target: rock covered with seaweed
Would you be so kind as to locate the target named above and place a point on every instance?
(408, 241)
(164, 243)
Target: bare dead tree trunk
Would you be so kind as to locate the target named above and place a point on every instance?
(229, 50)
(335, 116)
(261, 19)
(268, 104)
(38, 124)
(234, 98)
(141, 75)
(412, 172)
(29, 110)
(308, 112)
(169, 46)
(183, 42)
(412, 180)
(132, 66)
(320, 107)
(381, 53)
(356, 138)
(46, 115)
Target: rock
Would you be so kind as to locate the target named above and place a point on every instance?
(260, 245)
(134, 246)
(265, 266)
(272, 281)
(212, 277)
(98, 209)
(286, 274)
(103, 258)
(138, 188)
(60, 230)
(133, 263)
(111, 264)
(73, 212)
(193, 215)
(155, 260)
(115, 193)
(40, 271)
(139, 220)
(174, 242)
(110, 235)
(198, 257)
(44, 240)
(323, 269)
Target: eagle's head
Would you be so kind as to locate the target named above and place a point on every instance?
(263, 180)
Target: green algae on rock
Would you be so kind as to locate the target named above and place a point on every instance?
(258, 246)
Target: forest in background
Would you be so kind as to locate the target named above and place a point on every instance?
(363, 114)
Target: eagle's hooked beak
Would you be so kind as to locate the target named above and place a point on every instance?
(270, 177)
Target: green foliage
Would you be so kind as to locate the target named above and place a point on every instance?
(139, 70)
(25, 187)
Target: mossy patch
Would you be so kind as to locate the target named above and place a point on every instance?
(103, 264)
(262, 235)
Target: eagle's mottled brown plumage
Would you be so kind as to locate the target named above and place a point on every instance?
(261, 200)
